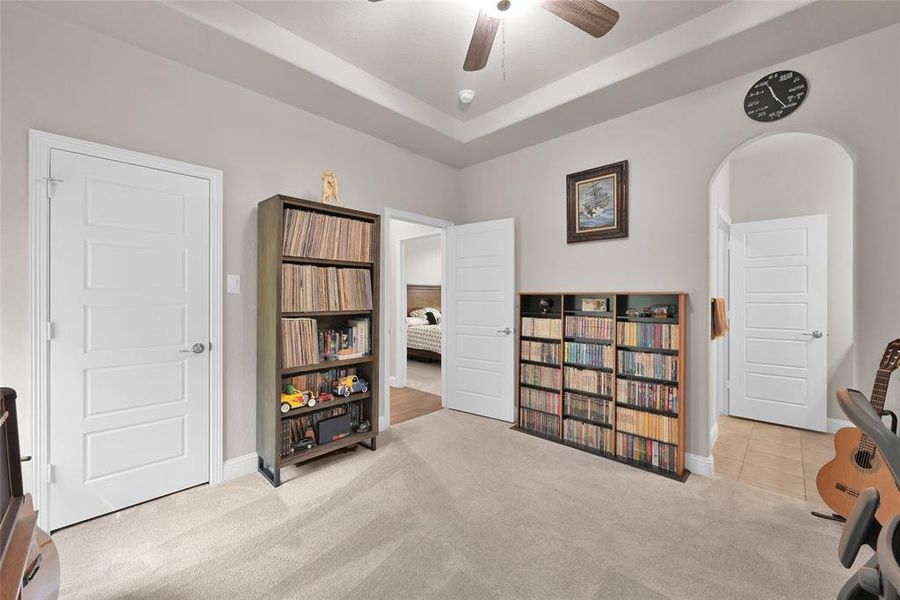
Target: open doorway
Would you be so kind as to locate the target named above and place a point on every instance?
(415, 305)
(781, 242)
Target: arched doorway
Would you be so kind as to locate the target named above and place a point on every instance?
(773, 380)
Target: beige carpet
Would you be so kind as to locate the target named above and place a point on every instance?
(456, 506)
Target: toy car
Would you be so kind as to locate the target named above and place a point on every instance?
(304, 443)
(291, 397)
(325, 397)
(350, 385)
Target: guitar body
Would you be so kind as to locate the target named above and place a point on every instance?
(842, 480)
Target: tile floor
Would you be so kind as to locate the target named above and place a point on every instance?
(780, 459)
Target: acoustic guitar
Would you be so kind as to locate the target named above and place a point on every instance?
(857, 464)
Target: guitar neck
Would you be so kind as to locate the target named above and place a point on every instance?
(879, 389)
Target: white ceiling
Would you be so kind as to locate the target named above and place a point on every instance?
(419, 46)
(356, 63)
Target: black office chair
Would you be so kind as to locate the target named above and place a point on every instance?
(879, 578)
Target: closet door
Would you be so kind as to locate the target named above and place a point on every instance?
(480, 345)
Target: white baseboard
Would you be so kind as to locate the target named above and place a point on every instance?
(835, 424)
(713, 435)
(700, 465)
(239, 466)
(392, 380)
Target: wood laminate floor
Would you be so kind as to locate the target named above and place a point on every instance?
(780, 459)
(408, 403)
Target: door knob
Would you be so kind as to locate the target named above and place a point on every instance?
(196, 349)
(505, 331)
(816, 334)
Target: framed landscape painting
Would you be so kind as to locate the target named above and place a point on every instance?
(597, 203)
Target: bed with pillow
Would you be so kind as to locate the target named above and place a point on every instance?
(423, 325)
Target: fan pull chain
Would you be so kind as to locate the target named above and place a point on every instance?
(503, 48)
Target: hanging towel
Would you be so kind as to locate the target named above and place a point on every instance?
(719, 319)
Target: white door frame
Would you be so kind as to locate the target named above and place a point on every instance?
(399, 347)
(40, 145)
(384, 386)
(722, 259)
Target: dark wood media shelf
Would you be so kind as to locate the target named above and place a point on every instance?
(276, 431)
(671, 329)
(539, 363)
(539, 387)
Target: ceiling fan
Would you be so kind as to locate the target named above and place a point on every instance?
(590, 16)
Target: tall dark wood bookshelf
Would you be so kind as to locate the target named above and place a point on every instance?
(272, 452)
(550, 404)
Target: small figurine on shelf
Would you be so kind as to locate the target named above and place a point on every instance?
(349, 385)
(291, 397)
(330, 194)
(546, 305)
(324, 397)
(632, 312)
(363, 427)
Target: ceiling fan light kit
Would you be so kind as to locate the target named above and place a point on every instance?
(466, 96)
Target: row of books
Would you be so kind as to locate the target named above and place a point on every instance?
(587, 435)
(348, 342)
(539, 422)
(321, 381)
(649, 364)
(592, 355)
(644, 394)
(649, 335)
(537, 375)
(598, 328)
(540, 352)
(312, 234)
(585, 380)
(658, 427)
(650, 452)
(298, 343)
(539, 327)
(306, 288)
(295, 429)
(541, 400)
(586, 407)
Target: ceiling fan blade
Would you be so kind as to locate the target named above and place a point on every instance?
(589, 16)
(482, 40)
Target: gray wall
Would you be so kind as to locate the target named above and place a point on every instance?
(67, 80)
(792, 175)
(423, 261)
(673, 150)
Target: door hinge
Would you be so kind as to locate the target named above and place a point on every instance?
(49, 330)
(51, 185)
(209, 346)
(51, 473)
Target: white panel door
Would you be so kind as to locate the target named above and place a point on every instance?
(779, 360)
(129, 294)
(480, 345)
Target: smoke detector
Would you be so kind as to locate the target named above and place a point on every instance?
(466, 96)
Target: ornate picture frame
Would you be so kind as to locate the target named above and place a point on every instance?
(597, 203)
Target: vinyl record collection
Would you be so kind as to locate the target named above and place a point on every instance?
(648, 364)
(540, 352)
(307, 288)
(317, 235)
(349, 342)
(320, 381)
(584, 380)
(298, 343)
(586, 407)
(587, 435)
(598, 328)
(589, 355)
(296, 428)
(648, 425)
(647, 395)
(547, 377)
(649, 335)
(657, 454)
(541, 400)
(539, 422)
(542, 328)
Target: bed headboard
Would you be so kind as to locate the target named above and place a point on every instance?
(423, 296)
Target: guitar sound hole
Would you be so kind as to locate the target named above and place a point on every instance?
(863, 459)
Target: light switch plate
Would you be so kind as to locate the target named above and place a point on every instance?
(234, 284)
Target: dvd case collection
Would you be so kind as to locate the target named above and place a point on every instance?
(643, 394)
(648, 425)
(649, 364)
(587, 435)
(347, 342)
(541, 400)
(540, 352)
(587, 407)
(649, 335)
(539, 422)
(657, 454)
(541, 327)
(592, 382)
(589, 355)
(320, 381)
(547, 377)
(598, 328)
